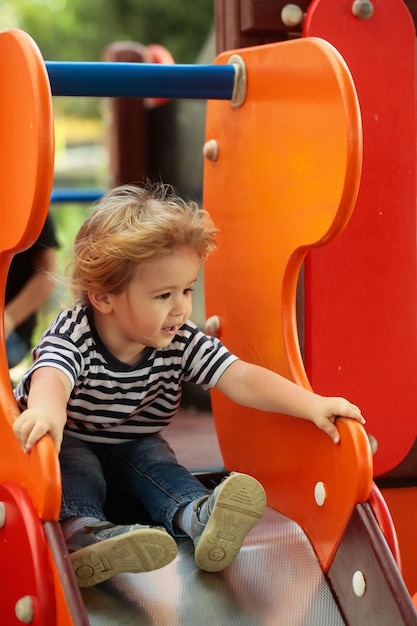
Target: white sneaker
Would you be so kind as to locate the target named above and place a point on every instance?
(101, 550)
(235, 506)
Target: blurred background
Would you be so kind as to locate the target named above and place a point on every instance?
(75, 30)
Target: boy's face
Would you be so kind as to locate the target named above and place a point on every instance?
(158, 300)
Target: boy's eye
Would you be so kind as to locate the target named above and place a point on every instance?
(165, 296)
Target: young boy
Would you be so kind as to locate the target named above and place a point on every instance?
(106, 379)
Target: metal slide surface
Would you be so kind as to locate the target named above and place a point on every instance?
(276, 579)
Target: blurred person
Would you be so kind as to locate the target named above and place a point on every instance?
(28, 287)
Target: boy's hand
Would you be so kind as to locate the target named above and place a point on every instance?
(36, 422)
(47, 408)
(326, 410)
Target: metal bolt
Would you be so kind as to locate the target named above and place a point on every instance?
(373, 444)
(24, 609)
(292, 15)
(363, 9)
(211, 150)
(320, 494)
(241, 82)
(359, 584)
(213, 326)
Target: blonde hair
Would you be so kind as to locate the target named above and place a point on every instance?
(131, 225)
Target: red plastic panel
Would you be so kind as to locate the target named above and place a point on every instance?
(26, 575)
(298, 126)
(402, 502)
(385, 522)
(361, 291)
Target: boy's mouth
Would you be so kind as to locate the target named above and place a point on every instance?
(170, 330)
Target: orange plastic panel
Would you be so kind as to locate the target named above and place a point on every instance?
(361, 307)
(26, 176)
(285, 180)
(27, 141)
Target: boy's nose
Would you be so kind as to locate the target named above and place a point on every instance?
(179, 308)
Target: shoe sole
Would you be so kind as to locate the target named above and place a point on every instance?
(142, 550)
(239, 505)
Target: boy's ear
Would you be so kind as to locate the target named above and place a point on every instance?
(100, 301)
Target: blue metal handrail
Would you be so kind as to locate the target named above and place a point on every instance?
(142, 80)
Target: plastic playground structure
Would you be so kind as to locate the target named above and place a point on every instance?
(309, 162)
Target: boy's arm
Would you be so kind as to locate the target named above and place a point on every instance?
(49, 392)
(260, 388)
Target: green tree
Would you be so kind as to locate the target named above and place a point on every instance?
(76, 30)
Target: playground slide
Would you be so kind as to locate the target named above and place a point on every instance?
(272, 141)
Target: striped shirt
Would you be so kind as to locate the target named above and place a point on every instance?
(110, 400)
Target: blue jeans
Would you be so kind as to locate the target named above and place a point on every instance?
(145, 469)
(16, 348)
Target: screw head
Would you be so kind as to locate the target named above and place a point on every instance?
(363, 9)
(358, 584)
(213, 326)
(24, 609)
(211, 150)
(292, 15)
(2, 514)
(320, 493)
